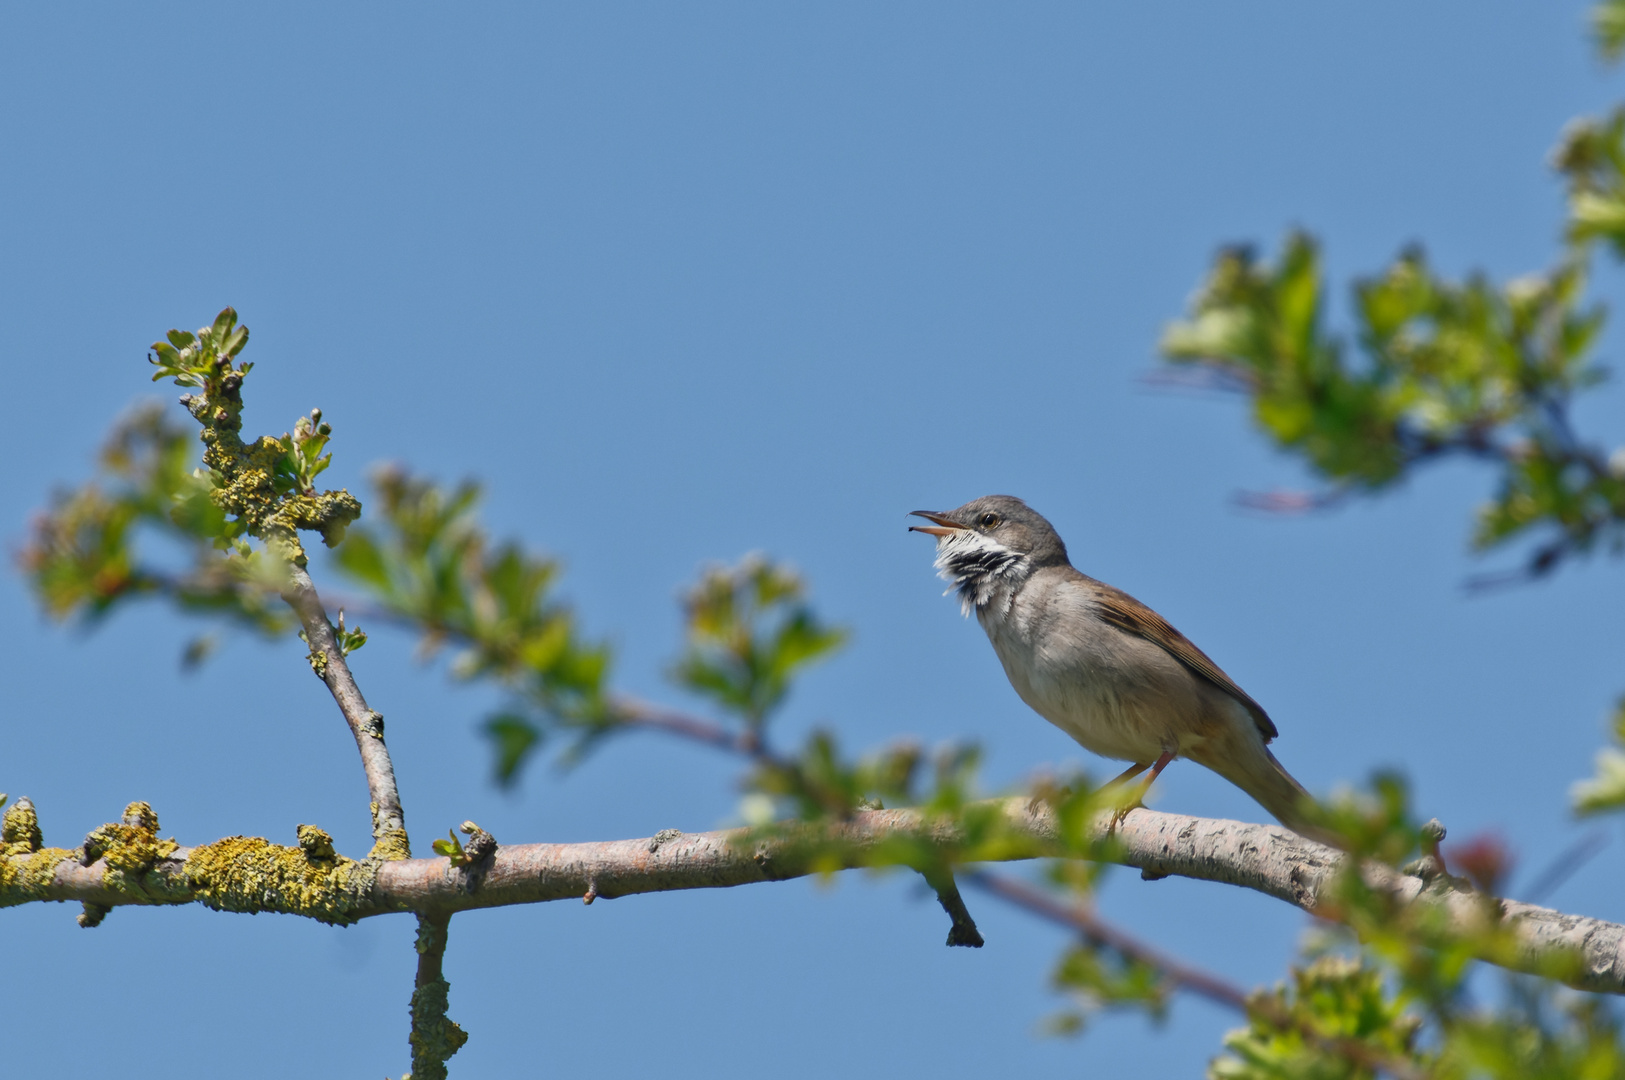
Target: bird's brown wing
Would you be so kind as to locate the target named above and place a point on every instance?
(1126, 613)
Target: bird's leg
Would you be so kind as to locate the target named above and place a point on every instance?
(1127, 774)
(1139, 789)
(1156, 770)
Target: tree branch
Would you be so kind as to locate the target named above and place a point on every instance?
(327, 660)
(1265, 858)
(632, 712)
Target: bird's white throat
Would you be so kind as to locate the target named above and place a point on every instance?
(980, 569)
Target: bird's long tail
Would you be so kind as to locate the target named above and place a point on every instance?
(1267, 781)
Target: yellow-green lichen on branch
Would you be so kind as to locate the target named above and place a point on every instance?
(27, 867)
(435, 1036)
(248, 873)
(252, 486)
(392, 843)
(130, 846)
(130, 849)
(19, 828)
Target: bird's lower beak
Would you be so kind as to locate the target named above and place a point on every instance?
(945, 525)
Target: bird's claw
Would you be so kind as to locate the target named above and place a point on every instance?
(1123, 809)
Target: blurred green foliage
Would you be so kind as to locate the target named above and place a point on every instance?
(1096, 977)
(84, 556)
(1332, 1023)
(425, 563)
(1606, 789)
(1608, 29)
(749, 632)
(1444, 368)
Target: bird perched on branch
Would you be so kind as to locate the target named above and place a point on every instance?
(1102, 666)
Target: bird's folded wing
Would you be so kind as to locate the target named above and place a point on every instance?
(1126, 613)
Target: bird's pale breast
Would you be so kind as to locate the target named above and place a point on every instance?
(1117, 694)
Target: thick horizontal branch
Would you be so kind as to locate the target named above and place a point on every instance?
(1264, 858)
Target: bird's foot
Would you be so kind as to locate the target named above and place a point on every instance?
(1137, 793)
(1127, 806)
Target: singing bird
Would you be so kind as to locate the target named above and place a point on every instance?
(1102, 666)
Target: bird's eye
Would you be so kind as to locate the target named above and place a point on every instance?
(989, 520)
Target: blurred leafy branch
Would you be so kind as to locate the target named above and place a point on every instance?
(1439, 368)
(82, 556)
(1466, 369)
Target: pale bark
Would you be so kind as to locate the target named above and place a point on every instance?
(1264, 858)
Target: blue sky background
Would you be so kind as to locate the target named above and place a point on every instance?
(681, 282)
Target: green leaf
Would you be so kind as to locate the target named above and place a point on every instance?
(451, 849)
(513, 739)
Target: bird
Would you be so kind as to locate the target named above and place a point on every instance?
(1102, 666)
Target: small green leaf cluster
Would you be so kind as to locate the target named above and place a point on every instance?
(302, 459)
(1538, 1033)
(349, 638)
(480, 845)
(451, 848)
(203, 359)
(1340, 1018)
(82, 556)
(1334, 1021)
(427, 564)
(264, 488)
(750, 631)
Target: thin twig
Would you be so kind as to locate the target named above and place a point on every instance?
(327, 659)
(1564, 865)
(637, 713)
(1100, 932)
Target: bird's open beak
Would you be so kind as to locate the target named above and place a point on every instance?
(944, 527)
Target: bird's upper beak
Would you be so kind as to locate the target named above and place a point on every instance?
(945, 524)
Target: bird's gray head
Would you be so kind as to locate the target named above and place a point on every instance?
(989, 546)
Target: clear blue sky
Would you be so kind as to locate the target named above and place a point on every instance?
(684, 281)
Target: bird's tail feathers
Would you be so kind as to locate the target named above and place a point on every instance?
(1268, 782)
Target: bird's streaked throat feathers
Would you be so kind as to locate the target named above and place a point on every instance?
(980, 569)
